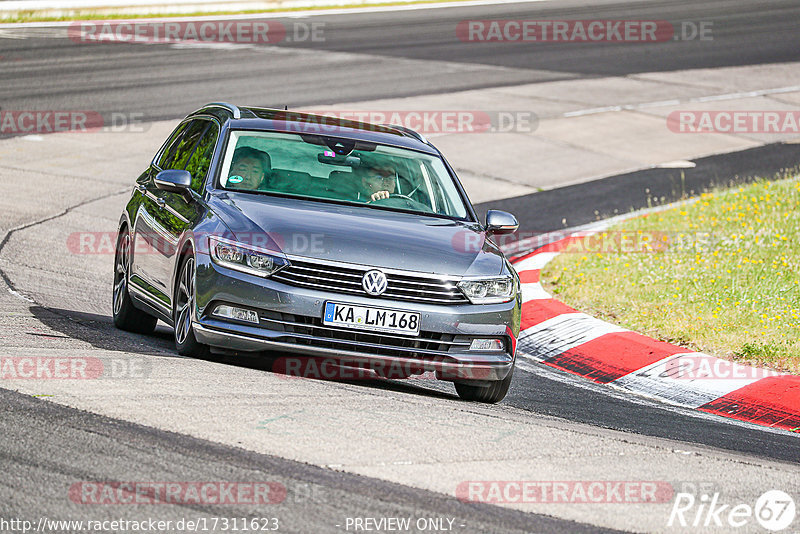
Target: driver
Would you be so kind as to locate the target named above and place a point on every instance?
(249, 168)
(377, 182)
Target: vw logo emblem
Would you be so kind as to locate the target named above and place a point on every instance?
(374, 282)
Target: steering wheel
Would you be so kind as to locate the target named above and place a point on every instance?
(399, 201)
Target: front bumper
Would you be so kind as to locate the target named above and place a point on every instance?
(290, 320)
(447, 367)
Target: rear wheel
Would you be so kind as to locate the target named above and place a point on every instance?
(491, 393)
(185, 341)
(126, 315)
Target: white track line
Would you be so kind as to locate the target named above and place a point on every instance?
(668, 103)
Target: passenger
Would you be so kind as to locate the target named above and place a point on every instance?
(250, 169)
(377, 182)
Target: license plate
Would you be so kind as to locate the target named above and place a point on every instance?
(369, 318)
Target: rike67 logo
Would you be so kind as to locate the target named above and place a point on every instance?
(774, 510)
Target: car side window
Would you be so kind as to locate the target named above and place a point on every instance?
(179, 157)
(200, 159)
(169, 151)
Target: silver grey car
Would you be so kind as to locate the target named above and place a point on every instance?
(265, 231)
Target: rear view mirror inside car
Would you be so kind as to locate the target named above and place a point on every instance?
(331, 158)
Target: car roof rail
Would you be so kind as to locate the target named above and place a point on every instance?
(416, 135)
(237, 114)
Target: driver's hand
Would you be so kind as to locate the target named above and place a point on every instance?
(379, 195)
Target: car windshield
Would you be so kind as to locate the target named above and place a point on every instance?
(341, 170)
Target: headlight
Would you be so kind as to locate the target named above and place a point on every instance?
(245, 258)
(488, 290)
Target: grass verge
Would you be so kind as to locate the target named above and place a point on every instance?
(718, 274)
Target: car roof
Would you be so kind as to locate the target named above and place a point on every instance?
(268, 119)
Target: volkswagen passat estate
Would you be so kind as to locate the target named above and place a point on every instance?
(263, 231)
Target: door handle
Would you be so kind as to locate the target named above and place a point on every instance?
(161, 203)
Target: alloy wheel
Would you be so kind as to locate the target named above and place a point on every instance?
(185, 302)
(121, 270)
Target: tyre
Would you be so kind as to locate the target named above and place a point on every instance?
(126, 315)
(491, 394)
(183, 309)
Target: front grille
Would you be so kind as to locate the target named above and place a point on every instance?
(411, 287)
(309, 331)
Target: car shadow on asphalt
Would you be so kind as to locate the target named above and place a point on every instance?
(274, 362)
(99, 331)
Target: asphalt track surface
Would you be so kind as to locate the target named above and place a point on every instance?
(45, 446)
(379, 55)
(37, 477)
(576, 205)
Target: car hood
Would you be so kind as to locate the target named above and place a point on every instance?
(358, 235)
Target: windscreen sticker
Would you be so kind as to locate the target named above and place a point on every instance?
(235, 179)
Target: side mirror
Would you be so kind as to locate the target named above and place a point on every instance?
(500, 222)
(174, 181)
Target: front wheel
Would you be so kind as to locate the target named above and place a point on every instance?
(126, 315)
(491, 394)
(185, 341)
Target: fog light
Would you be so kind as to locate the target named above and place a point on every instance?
(232, 312)
(487, 344)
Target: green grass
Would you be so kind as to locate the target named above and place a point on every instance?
(722, 277)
